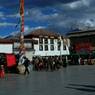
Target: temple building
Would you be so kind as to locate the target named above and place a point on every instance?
(42, 42)
(82, 41)
(49, 43)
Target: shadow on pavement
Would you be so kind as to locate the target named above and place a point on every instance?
(87, 88)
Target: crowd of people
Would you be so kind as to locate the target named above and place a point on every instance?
(46, 63)
(39, 63)
(50, 63)
(81, 59)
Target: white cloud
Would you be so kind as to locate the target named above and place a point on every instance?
(27, 30)
(39, 27)
(37, 15)
(78, 4)
(89, 23)
(86, 23)
(7, 24)
(74, 5)
(13, 15)
(78, 13)
(2, 15)
(86, 2)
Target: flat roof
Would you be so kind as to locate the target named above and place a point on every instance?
(81, 33)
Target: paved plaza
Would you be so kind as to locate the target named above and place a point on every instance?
(73, 80)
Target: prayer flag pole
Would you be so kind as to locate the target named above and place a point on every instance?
(22, 47)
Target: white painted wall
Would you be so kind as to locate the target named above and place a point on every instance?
(28, 53)
(6, 48)
(17, 44)
(49, 52)
(31, 53)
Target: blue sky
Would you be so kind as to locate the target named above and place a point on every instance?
(56, 15)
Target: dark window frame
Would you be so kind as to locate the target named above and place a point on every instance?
(64, 47)
(46, 47)
(51, 41)
(45, 40)
(58, 45)
(52, 47)
(40, 40)
(41, 47)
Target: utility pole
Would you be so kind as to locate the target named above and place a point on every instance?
(22, 47)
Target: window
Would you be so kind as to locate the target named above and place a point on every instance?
(59, 44)
(51, 41)
(41, 44)
(58, 47)
(46, 47)
(51, 44)
(41, 47)
(32, 45)
(46, 40)
(64, 47)
(46, 44)
(64, 44)
(40, 40)
(52, 47)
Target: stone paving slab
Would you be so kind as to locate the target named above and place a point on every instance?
(73, 80)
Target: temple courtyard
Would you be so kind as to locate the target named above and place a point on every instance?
(73, 80)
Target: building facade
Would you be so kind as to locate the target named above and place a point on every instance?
(42, 43)
(28, 43)
(49, 43)
(6, 46)
(82, 41)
